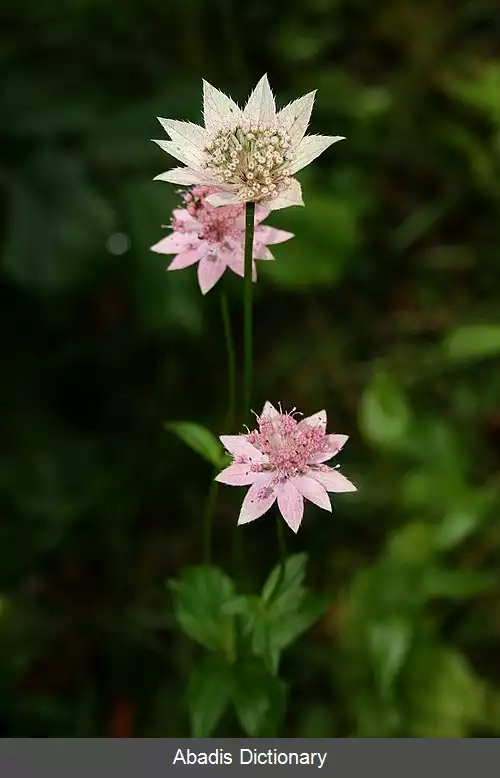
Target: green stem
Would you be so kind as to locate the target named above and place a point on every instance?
(231, 362)
(231, 400)
(247, 310)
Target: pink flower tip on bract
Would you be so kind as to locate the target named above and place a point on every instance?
(215, 238)
(249, 154)
(283, 459)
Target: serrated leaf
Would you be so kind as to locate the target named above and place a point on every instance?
(258, 698)
(199, 599)
(384, 414)
(284, 582)
(477, 341)
(199, 439)
(209, 694)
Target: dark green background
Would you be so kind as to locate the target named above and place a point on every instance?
(363, 313)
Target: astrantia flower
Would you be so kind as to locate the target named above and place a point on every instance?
(250, 154)
(215, 238)
(283, 460)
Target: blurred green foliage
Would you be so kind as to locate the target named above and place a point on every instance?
(383, 309)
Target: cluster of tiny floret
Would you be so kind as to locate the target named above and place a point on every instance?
(215, 225)
(288, 447)
(255, 158)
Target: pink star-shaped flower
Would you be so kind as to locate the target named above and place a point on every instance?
(284, 460)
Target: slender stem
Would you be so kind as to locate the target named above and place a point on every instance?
(231, 362)
(247, 310)
(231, 399)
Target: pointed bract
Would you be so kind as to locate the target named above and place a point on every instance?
(260, 108)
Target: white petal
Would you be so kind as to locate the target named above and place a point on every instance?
(258, 499)
(332, 480)
(228, 197)
(316, 420)
(309, 148)
(238, 446)
(175, 151)
(268, 411)
(290, 196)
(261, 106)
(218, 108)
(185, 176)
(295, 116)
(210, 270)
(291, 505)
(238, 475)
(312, 490)
(185, 132)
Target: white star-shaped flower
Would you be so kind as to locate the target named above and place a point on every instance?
(250, 154)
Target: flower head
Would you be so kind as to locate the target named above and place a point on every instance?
(283, 459)
(215, 237)
(250, 154)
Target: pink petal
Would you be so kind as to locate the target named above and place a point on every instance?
(189, 222)
(210, 269)
(316, 420)
(261, 252)
(236, 262)
(259, 498)
(268, 411)
(261, 213)
(238, 446)
(188, 257)
(237, 475)
(312, 490)
(271, 236)
(174, 243)
(333, 444)
(332, 480)
(291, 505)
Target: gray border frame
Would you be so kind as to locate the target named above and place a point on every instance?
(152, 758)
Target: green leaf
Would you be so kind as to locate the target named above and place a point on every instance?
(384, 413)
(390, 642)
(475, 341)
(259, 698)
(209, 694)
(285, 610)
(457, 525)
(199, 439)
(283, 585)
(199, 599)
(445, 696)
